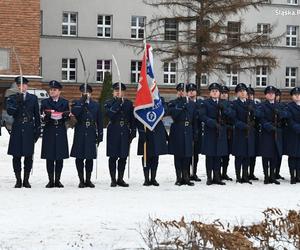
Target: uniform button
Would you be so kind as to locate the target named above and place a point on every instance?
(56, 134)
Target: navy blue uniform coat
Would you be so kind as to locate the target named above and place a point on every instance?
(183, 129)
(121, 128)
(215, 140)
(55, 141)
(86, 137)
(23, 134)
(293, 130)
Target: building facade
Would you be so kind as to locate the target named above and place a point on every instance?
(103, 29)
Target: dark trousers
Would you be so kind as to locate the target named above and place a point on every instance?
(80, 164)
(151, 162)
(241, 162)
(278, 165)
(193, 163)
(294, 163)
(18, 166)
(54, 166)
(112, 162)
(252, 161)
(182, 165)
(213, 163)
(224, 164)
(269, 166)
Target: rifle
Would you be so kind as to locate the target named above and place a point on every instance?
(250, 119)
(219, 119)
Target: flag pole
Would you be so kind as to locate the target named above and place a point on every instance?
(145, 129)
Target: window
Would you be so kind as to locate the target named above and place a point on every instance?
(232, 75)
(69, 24)
(171, 29)
(4, 59)
(291, 76)
(102, 67)
(41, 22)
(263, 29)
(233, 32)
(291, 36)
(68, 70)
(203, 79)
(261, 76)
(292, 2)
(41, 66)
(104, 26)
(138, 27)
(135, 71)
(169, 72)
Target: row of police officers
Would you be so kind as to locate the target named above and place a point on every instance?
(215, 127)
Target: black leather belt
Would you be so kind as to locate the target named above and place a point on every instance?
(185, 123)
(56, 122)
(121, 123)
(88, 123)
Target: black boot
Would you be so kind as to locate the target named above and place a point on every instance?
(146, 176)
(81, 180)
(293, 179)
(88, 182)
(224, 174)
(26, 183)
(112, 172)
(194, 177)
(245, 178)
(277, 175)
(51, 181)
(18, 180)
(153, 177)
(297, 175)
(217, 178)
(272, 177)
(266, 174)
(186, 177)
(178, 177)
(120, 181)
(252, 167)
(57, 182)
(238, 174)
(209, 177)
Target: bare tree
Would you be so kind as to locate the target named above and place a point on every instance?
(200, 34)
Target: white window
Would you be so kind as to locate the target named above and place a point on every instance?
(68, 70)
(232, 75)
(4, 59)
(169, 72)
(261, 76)
(138, 27)
(104, 26)
(293, 2)
(233, 32)
(263, 29)
(102, 67)
(291, 76)
(171, 30)
(203, 79)
(69, 24)
(291, 36)
(135, 71)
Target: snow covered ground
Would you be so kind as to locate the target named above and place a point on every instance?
(110, 218)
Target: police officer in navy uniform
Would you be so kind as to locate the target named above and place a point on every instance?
(191, 89)
(284, 125)
(156, 145)
(244, 133)
(55, 112)
(252, 160)
(271, 135)
(120, 132)
(24, 108)
(87, 135)
(182, 133)
(229, 123)
(215, 141)
(293, 136)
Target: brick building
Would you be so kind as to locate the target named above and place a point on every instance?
(19, 29)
